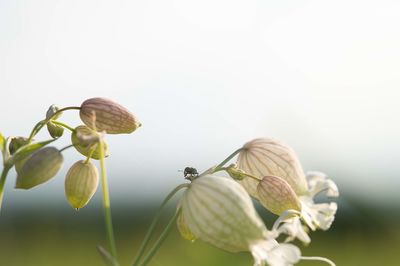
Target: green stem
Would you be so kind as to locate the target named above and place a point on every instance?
(34, 130)
(63, 125)
(242, 173)
(227, 159)
(2, 182)
(155, 221)
(91, 153)
(66, 147)
(106, 205)
(41, 124)
(161, 239)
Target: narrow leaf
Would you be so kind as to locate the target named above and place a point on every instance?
(26, 150)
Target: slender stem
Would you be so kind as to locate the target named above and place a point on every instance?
(252, 176)
(106, 205)
(91, 153)
(155, 221)
(227, 159)
(63, 125)
(41, 124)
(319, 259)
(66, 147)
(161, 239)
(3, 181)
(242, 173)
(35, 129)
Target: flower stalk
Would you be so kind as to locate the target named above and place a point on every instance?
(161, 239)
(42, 123)
(63, 125)
(3, 181)
(155, 221)
(219, 166)
(106, 205)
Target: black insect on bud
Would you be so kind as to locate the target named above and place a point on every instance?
(190, 173)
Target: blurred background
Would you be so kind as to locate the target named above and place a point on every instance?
(204, 77)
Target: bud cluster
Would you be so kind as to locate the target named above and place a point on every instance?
(37, 163)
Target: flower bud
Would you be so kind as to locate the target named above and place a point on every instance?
(16, 143)
(276, 195)
(85, 140)
(41, 166)
(20, 163)
(81, 183)
(54, 130)
(105, 115)
(51, 111)
(224, 204)
(267, 156)
(219, 211)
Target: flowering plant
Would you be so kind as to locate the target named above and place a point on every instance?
(215, 208)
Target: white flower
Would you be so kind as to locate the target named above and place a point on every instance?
(293, 228)
(319, 215)
(219, 211)
(269, 157)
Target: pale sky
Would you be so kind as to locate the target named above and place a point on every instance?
(206, 76)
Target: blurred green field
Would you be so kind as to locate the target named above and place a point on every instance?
(39, 237)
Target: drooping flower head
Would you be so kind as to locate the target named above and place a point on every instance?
(269, 157)
(220, 212)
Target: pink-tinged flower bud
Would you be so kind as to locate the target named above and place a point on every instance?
(41, 166)
(81, 183)
(267, 156)
(105, 115)
(276, 195)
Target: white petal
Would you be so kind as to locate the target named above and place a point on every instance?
(294, 229)
(318, 182)
(320, 215)
(275, 254)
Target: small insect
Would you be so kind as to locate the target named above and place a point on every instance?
(190, 172)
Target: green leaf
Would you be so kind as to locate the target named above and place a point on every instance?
(26, 150)
(107, 257)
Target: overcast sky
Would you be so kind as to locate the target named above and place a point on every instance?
(204, 77)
